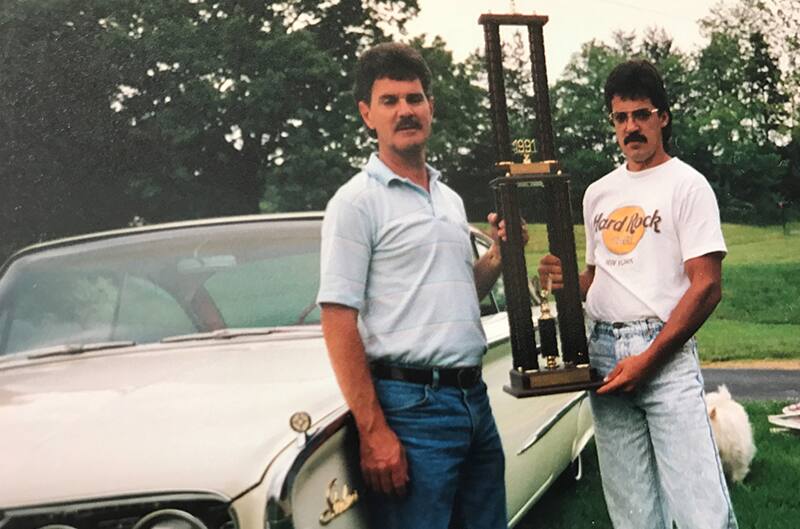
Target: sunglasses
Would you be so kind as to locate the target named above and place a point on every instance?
(640, 115)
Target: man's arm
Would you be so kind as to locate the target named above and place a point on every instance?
(692, 310)
(383, 460)
(585, 280)
(487, 269)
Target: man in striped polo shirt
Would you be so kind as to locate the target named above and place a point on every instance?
(400, 315)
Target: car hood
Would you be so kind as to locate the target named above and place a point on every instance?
(194, 416)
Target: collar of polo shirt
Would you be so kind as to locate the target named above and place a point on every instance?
(378, 170)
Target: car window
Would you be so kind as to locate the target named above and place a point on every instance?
(277, 291)
(150, 285)
(147, 312)
(495, 300)
(73, 306)
(50, 305)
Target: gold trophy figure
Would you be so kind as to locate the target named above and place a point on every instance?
(547, 329)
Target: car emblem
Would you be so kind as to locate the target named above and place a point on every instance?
(300, 422)
(337, 503)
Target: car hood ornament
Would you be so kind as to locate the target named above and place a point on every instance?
(337, 503)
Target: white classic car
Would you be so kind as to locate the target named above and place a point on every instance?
(175, 376)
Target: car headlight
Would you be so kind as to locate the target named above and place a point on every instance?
(169, 519)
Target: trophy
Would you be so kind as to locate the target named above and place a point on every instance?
(562, 337)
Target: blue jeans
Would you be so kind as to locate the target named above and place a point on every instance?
(455, 459)
(658, 460)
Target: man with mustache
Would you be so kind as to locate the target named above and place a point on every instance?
(647, 292)
(400, 315)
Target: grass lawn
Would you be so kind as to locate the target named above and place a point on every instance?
(759, 316)
(767, 499)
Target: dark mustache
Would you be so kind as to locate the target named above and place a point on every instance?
(408, 122)
(635, 136)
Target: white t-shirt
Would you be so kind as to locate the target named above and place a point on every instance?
(640, 229)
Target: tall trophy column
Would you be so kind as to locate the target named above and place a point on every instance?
(515, 276)
(566, 361)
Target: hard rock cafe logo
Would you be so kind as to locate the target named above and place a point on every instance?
(624, 227)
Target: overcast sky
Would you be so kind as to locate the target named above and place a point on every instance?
(572, 22)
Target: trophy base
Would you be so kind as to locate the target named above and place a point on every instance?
(562, 379)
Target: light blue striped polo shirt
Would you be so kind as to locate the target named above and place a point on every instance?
(402, 257)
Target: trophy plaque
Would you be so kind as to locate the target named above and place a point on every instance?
(562, 337)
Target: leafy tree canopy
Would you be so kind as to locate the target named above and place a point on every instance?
(115, 112)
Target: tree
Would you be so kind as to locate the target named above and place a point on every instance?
(584, 137)
(65, 155)
(766, 35)
(735, 110)
(117, 110)
(777, 22)
(253, 97)
(460, 145)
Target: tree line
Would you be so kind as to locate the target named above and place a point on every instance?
(115, 113)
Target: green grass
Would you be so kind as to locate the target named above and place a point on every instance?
(765, 293)
(767, 499)
(759, 316)
(761, 244)
(721, 340)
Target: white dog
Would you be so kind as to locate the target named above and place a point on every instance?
(733, 433)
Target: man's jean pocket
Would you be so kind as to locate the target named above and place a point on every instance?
(396, 396)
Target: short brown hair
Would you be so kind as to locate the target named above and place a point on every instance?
(390, 60)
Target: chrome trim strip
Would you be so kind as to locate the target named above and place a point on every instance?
(531, 501)
(285, 469)
(546, 427)
(177, 513)
(583, 441)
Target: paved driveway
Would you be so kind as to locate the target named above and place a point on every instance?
(755, 384)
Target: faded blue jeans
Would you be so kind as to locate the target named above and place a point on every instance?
(455, 459)
(658, 460)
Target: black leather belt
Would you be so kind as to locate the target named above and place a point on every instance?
(459, 377)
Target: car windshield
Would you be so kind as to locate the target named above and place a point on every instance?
(143, 287)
